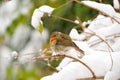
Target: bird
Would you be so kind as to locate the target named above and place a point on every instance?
(61, 43)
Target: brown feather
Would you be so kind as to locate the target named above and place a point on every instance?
(63, 40)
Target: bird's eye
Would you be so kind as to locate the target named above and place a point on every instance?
(54, 36)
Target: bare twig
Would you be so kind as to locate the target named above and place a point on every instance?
(97, 41)
(80, 23)
(58, 56)
(98, 10)
(90, 78)
(69, 1)
(102, 40)
(114, 35)
(6, 0)
(100, 1)
(109, 47)
(111, 59)
(40, 52)
(65, 19)
(49, 66)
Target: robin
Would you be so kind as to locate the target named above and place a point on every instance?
(60, 43)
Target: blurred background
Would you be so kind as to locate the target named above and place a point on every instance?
(18, 36)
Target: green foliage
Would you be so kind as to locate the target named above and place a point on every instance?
(22, 73)
(27, 71)
(40, 29)
(9, 73)
(57, 24)
(55, 63)
(84, 13)
(0, 1)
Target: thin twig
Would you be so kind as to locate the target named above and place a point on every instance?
(6, 0)
(93, 44)
(40, 52)
(65, 19)
(110, 49)
(97, 41)
(80, 23)
(98, 10)
(102, 40)
(111, 59)
(49, 66)
(115, 35)
(90, 78)
(69, 1)
(58, 56)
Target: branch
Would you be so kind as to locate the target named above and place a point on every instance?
(69, 1)
(90, 78)
(58, 56)
(109, 47)
(101, 39)
(80, 24)
(98, 10)
(97, 41)
(65, 19)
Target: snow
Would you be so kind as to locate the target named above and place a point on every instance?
(66, 61)
(99, 22)
(46, 9)
(97, 55)
(116, 4)
(74, 34)
(38, 13)
(36, 18)
(76, 21)
(105, 8)
(103, 33)
(98, 61)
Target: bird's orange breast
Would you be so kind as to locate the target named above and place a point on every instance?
(51, 39)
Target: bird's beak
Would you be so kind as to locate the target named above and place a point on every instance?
(51, 39)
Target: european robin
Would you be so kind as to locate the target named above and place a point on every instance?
(60, 43)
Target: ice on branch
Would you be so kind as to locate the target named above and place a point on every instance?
(38, 13)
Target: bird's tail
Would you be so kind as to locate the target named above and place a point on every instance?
(78, 49)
